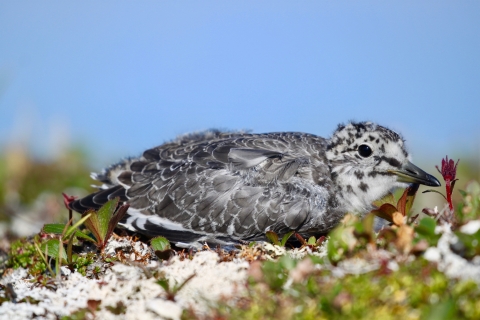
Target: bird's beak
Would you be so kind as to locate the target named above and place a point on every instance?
(410, 173)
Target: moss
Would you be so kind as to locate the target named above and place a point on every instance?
(81, 262)
(23, 254)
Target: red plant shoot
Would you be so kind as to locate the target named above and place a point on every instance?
(449, 172)
(66, 201)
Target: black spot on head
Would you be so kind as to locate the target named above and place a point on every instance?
(350, 189)
(371, 138)
(382, 148)
(389, 135)
(377, 141)
(359, 174)
(363, 186)
(372, 174)
(360, 126)
(393, 162)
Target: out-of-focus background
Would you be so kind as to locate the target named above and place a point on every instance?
(83, 84)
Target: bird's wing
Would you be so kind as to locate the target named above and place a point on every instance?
(235, 187)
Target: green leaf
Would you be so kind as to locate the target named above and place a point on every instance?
(426, 226)
(55, 228)
(92, 224)
(312, 241)
(160, 243)
(286, 237)
(105, 214)
(52, 247)
(115, 219)
(163, 249)
(164, 284)
(98, 223)
(272, 237)
(426, 230)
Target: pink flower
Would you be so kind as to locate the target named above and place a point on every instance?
(449, 169)
(449, 172)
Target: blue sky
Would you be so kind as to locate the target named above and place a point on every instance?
(123, 76)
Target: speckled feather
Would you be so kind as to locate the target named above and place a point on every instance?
(221, 187)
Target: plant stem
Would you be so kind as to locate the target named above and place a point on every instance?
(448, 187)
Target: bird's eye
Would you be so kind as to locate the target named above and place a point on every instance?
(365, 151)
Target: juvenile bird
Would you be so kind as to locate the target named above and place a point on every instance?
(224, 187)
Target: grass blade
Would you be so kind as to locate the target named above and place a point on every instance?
(77, 224)
(40, 253)
(70, 249)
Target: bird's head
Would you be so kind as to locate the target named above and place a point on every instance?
(368, 160)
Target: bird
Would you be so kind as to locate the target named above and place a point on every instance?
(229, 187)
